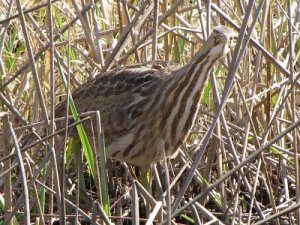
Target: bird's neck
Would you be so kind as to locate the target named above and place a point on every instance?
(196, 68)
(183, 93)
(188, 81)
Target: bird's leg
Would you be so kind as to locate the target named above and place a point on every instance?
(145, 178)
(76, 150)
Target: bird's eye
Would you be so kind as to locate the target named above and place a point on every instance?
(217, 39)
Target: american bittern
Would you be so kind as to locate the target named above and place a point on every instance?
(147, 112)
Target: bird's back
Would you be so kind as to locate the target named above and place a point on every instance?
(123, 97)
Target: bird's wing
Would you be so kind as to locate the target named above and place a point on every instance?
(119, 96)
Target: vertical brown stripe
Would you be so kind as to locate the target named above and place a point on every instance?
(190, 120)
(185, 81)
(182, 108)
(129, 148)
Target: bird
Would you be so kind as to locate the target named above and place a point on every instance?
(148, 110)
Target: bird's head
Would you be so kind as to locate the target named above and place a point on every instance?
(220, 41)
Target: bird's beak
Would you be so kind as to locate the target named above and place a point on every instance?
(231, 44)
(233, 41)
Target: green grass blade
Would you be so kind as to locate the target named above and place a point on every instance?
(104, 178)
(87, 149)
